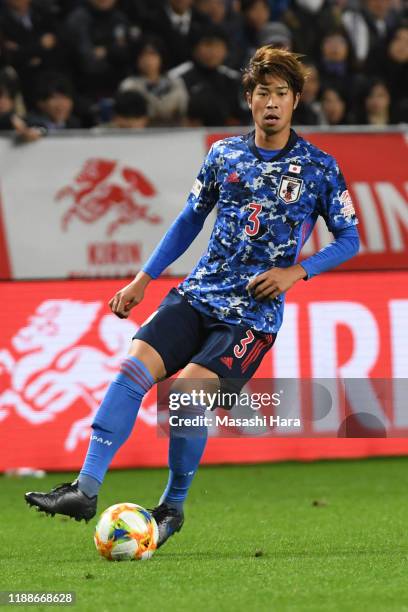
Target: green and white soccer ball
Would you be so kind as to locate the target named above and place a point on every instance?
(126, 532)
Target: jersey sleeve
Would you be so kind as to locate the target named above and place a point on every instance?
(204, 193)
(334, 201)
(344, 246)
(189, 222)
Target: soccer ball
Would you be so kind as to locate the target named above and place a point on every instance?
(126, 532)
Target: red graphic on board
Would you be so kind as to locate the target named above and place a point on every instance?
(104, 185)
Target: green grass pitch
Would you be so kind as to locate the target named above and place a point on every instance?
(318, 536)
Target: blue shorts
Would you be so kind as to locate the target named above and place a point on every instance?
(181, 334)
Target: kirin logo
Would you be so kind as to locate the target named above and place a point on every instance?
(49, 370)
(102, 186)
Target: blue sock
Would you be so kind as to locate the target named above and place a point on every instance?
(186, 448)
(114, 422)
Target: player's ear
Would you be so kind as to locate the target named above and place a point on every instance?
(297, 98)
(248, 96)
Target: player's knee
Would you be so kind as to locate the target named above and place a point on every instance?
(149, 357)
(134, 376)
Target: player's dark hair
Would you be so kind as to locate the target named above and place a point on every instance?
(279, 63)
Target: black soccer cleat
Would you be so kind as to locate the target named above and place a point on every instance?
(169, 521)
(64, 499)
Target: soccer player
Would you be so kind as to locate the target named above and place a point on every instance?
(268, 187)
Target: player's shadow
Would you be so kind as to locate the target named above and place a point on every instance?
(271, 554)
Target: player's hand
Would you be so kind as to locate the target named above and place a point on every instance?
(270, 284)
(122, 303)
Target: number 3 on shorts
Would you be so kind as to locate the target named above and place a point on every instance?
(241, 348)
(253, 229)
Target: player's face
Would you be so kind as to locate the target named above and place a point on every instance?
(272, 104)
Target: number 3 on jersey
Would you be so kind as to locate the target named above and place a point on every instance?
(252, 228)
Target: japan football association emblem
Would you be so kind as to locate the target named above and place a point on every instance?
(290, 188)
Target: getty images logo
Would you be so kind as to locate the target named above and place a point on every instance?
(101, 440)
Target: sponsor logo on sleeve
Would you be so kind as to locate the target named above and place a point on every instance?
(197, 187)
(347, 209)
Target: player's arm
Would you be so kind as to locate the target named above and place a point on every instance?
(175, 242)
(275, 281)
(345, 245)
(336, 208)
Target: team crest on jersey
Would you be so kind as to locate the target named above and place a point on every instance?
(290, 188)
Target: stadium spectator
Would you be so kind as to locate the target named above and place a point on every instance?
(137, 11)
(392, 66)
(214, 89)
(54, 105)
(370, 26)
(221, 13)
(397, 71)
(12, 108)
(278, 8)
(93, 41)
(130, 111)
(167, 98)
(216, 10)
(59, 7)
(8, 99)
(336, 60)
(278, 35)
(177, 23)
(256, 16)
(257, 30)
(309, 20)
(201, 112)
(334, 106)
(32, 42)
(309, 109)
(99, 36)
(376, 105)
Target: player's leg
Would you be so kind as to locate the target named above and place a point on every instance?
(229, 357)
(116, 416)
(186, 447)
(163, 345)
(112, 425)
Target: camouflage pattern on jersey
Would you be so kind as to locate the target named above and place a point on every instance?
(266, 210)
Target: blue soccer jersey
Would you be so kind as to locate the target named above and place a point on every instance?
(266, 210)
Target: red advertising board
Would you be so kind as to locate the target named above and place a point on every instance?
(61, 346)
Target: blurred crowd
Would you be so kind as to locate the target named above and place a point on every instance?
(137, 63)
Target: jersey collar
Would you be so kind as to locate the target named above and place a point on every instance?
(293, 138)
